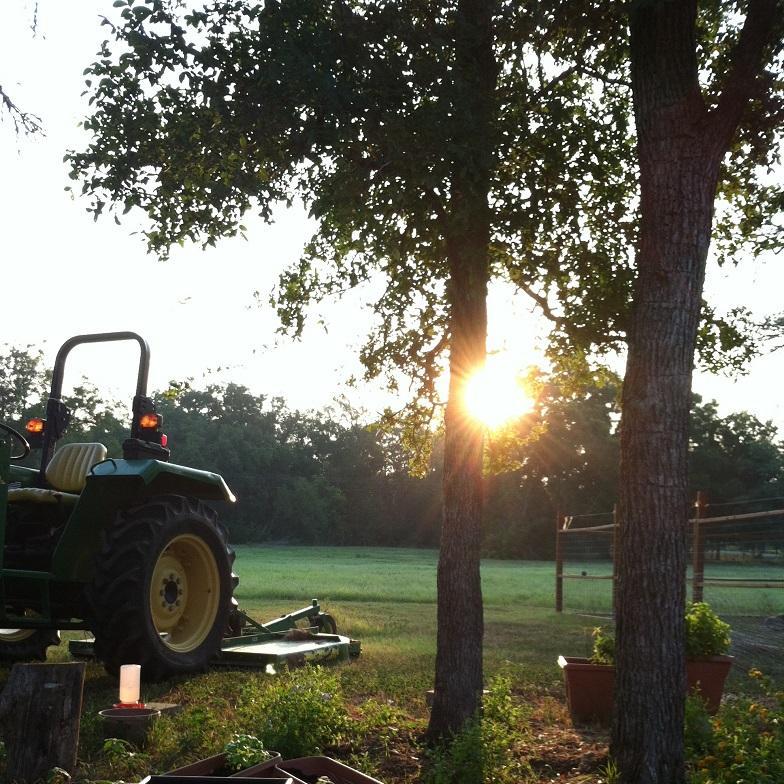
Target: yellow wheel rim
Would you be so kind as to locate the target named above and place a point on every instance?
(15, 635)
(185, 593)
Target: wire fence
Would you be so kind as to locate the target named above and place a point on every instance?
(736, 553)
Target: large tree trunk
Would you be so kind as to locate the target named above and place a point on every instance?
(680, 148)
(458, 675)
(648, 739)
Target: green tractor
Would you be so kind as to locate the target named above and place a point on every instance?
(125, 547)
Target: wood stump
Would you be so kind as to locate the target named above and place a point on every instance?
(40, 709)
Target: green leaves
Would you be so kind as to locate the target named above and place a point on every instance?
(356, 112)
(706, 633)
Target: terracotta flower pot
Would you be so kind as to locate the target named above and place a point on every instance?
(706, 677)
(590, 688)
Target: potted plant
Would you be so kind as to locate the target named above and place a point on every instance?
(590, 682)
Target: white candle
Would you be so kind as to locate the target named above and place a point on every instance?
(130, 682)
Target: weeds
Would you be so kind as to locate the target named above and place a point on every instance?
(485, 749)
(609, 773)
(743, 743)
(298, 713)
(243, 751)
(124, 760)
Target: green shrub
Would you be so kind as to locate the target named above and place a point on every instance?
(706, 635)
(485, 749)
(603, 647)
(297, 713)
(742, 744)
(123, 760)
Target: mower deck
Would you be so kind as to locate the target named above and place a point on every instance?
(316, 649)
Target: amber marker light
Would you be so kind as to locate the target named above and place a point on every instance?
(149, 421)
(35, 425)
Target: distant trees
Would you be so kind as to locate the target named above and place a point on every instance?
(313, 477)
(572, 465)
(326, 478)
(734, 457)
(23, 381)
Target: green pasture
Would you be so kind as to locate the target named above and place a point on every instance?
(589, 594)
(378, 574)
(387, 598)
(408, 576)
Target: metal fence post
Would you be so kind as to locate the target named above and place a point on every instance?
(698, 549)
(559, 520)
(614, 550)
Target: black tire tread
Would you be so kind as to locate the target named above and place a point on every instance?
(122, 634)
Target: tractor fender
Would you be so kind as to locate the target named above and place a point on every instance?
(115, 484)
(160, 478)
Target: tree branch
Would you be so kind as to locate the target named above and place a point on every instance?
(24, 122)
(541, 301)
(763, 22)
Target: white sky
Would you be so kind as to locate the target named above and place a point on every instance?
(66, 275)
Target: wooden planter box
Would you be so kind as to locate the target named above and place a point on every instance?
(313, 767)
(291, 770)
(590, 688)
(216, 766)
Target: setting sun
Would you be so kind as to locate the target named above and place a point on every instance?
(495, 394)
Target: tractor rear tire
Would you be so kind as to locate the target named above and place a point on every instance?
(19, 645)
(162, 590)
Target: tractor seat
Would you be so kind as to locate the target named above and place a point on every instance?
(66, 473)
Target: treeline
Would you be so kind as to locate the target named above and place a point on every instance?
(327, 478)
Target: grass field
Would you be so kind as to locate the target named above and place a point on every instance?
(403, 576)
(387, 599)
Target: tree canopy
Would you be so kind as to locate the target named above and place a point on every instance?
(201, 116)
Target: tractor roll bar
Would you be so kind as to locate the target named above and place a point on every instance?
(101, 337)
(56, 414)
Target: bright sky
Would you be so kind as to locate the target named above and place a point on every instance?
(67, 275)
